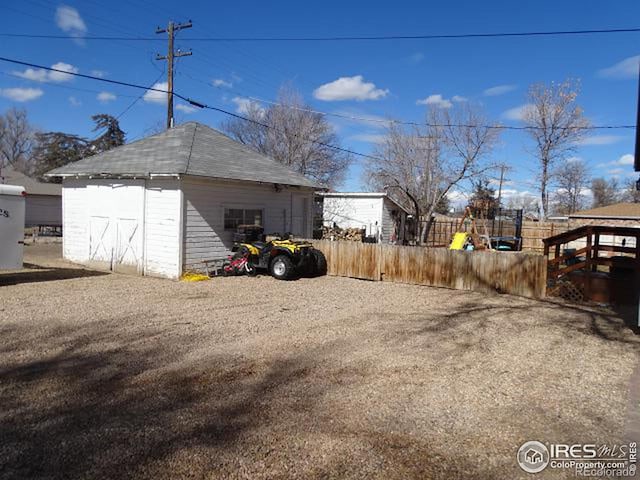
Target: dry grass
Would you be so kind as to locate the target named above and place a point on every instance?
(112, 376)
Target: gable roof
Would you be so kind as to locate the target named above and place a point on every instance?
(188, 149)
(10, 176)
(617, 210)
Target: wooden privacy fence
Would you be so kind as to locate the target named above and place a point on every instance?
(516, 273)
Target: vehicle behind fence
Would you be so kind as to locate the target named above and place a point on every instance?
(517, 273)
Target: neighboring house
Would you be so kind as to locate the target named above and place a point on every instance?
(616, 215)
(379, 214)
(165, 204)
(43, 202)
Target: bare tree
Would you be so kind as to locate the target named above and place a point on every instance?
(556, 123)
(605, 192)
(292, 134)
(572, 180)
(528, 203)
(631, 193)
(423, 165)
(17, 139)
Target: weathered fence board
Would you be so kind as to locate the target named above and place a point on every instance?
(517, 273)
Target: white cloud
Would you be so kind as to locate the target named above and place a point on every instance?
(416, 57)
(574, 159)
(244, 105)
(368, 138)
(627, 68)
(458, 98)
(496, 181)
(499, 90)
(600, 140)
(153, 96)
(68, 19)
(41, 75)
(99, 73)
(21, 94)
(106, 97)
(183, 107)
(74, 102)
(517, 113)
(625, 159)
(615, 171)
(349, 88)
(36, 75)
(219, 82)
(60, 76)
(436, 100)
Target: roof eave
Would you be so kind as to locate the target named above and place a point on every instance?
(607, 217)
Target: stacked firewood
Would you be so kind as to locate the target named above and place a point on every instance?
(337, 233)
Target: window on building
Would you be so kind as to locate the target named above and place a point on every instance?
(240, 216)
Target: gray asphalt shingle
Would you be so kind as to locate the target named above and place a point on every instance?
(188, 149)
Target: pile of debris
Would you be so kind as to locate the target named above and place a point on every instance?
(337, 233)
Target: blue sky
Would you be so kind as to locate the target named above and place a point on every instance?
(379, 79)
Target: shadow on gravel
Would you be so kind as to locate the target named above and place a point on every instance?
(37, 273)
(111, 414)
(133, 409)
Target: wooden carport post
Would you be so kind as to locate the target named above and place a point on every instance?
(587, 278)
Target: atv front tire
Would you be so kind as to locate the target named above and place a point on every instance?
(282, 268)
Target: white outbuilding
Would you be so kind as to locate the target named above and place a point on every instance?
(168, 203)
(43, 203)
(378, 214)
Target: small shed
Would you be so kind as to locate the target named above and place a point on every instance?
(379, 214)
(43, 204)
(170, 202)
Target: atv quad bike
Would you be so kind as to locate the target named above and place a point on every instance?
(284, 259)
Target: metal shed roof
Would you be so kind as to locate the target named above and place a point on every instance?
(188, 149)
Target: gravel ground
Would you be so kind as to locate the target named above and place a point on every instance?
(114, 376)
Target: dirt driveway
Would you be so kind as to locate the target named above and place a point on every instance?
(113, 376)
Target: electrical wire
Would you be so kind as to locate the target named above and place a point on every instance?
(347, 38)
(226, 112)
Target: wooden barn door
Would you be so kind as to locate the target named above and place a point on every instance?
(116, 213)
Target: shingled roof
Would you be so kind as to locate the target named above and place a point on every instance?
(188, 149)
(32, 186)
(617, 210)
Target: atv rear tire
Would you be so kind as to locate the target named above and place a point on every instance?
(282, 268)
(319, 263)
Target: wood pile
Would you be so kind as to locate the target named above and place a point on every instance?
(348, 234)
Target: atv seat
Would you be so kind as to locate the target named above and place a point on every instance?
(259, 245)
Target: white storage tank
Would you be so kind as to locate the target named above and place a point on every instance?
(12, 203)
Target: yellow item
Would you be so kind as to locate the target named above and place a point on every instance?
(459, 239)
(193, 277)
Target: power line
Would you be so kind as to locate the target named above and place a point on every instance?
(201, 105)
(186, 99)
(347, 38)
(390, 121)
(226, 112)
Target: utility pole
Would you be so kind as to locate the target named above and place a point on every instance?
(171, 30)
(503, 167)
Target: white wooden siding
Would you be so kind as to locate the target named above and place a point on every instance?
(118, 224)
(354, 212)
(204, 204)
(75, 219)
(162, 228)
